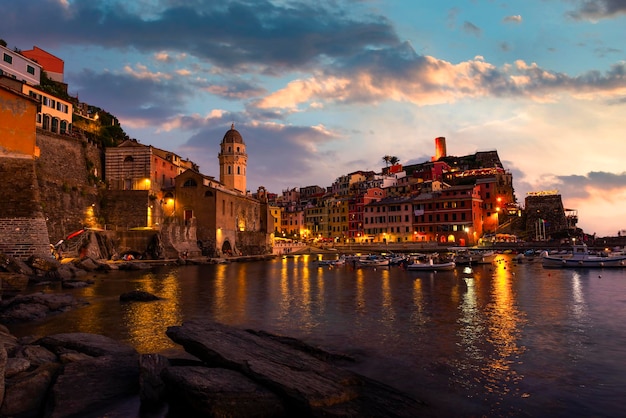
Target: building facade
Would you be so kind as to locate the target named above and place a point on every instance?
(17, 66)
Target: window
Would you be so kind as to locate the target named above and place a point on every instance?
(190, 183)
(30, 69)
(8, 58)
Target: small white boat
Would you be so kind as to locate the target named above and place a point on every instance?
(430, 265)
(373, 261)
(334, 262)
(581, 258)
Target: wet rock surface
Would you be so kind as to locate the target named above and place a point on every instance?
(226, 371)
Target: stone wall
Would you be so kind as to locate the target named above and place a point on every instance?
(69, 171)
(23, 229)
(125, 209)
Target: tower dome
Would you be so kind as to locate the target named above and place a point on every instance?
(232, 136)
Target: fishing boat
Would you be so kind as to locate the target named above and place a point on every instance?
(332, 263)
(469, 256)
(580, 257)
(430, 265)
(373, 261)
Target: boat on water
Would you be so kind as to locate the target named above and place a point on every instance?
(373, 261)
(430, 265)
(395, 259)
(466, 256)
(580, 257)
(332, 262)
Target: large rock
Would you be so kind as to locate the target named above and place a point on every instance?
(212, 392)
(43, 264)
(25, 393)
(13, 283)
(13, 265)
(312, 386)
(36, 306)
(90, 384)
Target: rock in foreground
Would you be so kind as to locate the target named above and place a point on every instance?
(308, 385)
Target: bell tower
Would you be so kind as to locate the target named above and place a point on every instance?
(233, 160)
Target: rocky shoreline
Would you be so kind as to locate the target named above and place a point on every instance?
(221, 371)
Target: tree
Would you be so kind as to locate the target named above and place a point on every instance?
(394, 160)
(387, 160)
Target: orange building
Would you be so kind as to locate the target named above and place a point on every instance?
(52, 65)
(17, 122)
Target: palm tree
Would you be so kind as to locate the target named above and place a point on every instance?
(387, 160)
(394, 160)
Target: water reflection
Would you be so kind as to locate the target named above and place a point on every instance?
(487, 334)
(489, 331)
(145, 321)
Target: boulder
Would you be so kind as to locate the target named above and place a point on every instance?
(13, 265)
(15, 366)
(26, 392)
(310, 386)
(36, 306)
(111, 374)
(43, 264)
(213, 392)
(13, 283)
(88, 264)
(151, 386)
(35, 354)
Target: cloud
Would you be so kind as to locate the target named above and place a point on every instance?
(584, 186)
(139, 97)
(599, 9)
(401, 75)
(235, 34)
(472, 29)
(512, 19)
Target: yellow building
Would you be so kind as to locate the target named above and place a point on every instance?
(55, 114)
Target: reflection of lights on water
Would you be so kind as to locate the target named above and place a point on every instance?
(418, 316)
(388, 311)
(146, 321)
(467, 270)
(360, 290)
(579, 308)
(489, 330)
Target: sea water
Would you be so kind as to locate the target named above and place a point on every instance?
(505, 339)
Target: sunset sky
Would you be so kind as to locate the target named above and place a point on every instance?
(319, 89)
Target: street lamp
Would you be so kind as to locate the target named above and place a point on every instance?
(467, 234)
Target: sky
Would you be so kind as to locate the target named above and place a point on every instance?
(319, 89)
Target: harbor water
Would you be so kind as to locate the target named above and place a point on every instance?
(506, 339)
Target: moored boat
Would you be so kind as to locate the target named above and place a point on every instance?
(430, 265)
(334, 262)
(582, 258)
(373, 261)
(469, 256)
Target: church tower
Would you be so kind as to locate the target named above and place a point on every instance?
(233, 160)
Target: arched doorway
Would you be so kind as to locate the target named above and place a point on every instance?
(226, 248)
